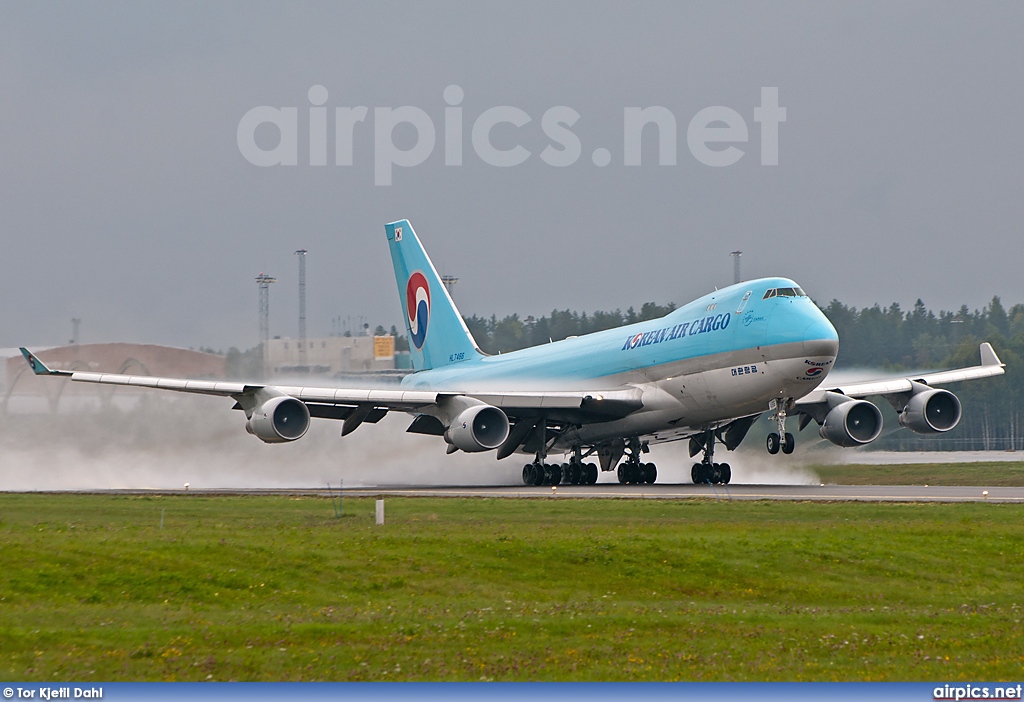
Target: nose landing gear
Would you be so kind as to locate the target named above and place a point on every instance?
(781, 439)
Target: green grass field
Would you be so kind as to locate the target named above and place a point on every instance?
(276, 588)
(988, 474)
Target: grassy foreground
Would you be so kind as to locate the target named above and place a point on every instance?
(275, 588)
(986, 473)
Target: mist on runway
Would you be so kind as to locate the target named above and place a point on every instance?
(152, 440)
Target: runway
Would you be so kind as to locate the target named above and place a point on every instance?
(816, 493)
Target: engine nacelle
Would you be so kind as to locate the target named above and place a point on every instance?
(278, 420)
(931, 412)
(852, 423)
(478, 428)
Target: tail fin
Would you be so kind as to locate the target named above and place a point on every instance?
(437, 335)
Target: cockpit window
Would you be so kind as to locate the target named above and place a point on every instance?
(784, 292)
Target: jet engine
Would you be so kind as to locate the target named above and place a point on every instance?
(478, 428)
(852, 423)
(278, 420)
(931, 412)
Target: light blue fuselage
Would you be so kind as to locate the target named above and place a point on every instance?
(722, 356)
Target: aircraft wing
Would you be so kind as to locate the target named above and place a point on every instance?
(371, 404)
(990, 366)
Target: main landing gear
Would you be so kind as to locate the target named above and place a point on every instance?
(633, 471)
(707, 471)
(573, 473)
(781, 439)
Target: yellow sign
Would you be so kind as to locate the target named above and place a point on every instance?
(383, 347)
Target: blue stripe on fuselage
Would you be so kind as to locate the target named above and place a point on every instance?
(689, 332)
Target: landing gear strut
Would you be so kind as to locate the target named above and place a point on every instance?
(707, 471)
(781, 439)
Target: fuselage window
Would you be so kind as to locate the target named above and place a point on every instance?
(769, 293)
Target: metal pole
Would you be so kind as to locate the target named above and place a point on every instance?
(301, 253)
(263, 282)
(736, 266)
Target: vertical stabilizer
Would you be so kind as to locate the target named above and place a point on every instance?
(437, 335)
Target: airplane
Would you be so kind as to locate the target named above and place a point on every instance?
(705, 372)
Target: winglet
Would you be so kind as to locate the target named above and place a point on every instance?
(38, 367)
(989, 357)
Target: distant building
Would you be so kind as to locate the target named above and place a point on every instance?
(330, 356)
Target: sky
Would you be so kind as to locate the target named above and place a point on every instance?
(127, 201)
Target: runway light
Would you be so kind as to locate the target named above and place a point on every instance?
(186, 487)
(554, 490)
(984, 493)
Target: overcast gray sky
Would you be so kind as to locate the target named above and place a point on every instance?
(125, 200)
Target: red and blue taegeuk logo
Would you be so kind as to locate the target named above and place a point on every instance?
(417, 305)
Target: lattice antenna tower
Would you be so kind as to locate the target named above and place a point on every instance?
(301, 253)
(736, 266)
(263, 282)
(449, 282)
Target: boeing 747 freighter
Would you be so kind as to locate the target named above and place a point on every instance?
(703, 373)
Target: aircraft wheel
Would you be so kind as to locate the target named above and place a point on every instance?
(556, 474)
(538, 474)
(621, 474)
(650, 473)
(574, 473)
(716, 474)
(695, 473)
(790, 444)
(591, 474)
(726, 473)
(773, 443)
(527, 474)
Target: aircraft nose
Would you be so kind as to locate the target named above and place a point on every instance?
(821, 347)
(820, 337)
